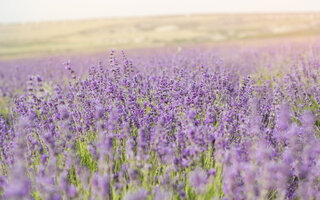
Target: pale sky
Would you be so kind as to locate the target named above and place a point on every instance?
(12, 11)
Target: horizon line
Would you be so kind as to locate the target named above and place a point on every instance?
(159, 16)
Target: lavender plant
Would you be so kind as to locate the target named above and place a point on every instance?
(178, 125)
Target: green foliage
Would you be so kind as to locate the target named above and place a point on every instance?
(190, 192)
(36, 160)
(215, 189)
(36, 195)
(73, 177)
(86, 157)
(4, 107)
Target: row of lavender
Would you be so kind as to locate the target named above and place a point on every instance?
(181, 125)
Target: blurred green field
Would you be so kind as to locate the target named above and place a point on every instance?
(43, 38)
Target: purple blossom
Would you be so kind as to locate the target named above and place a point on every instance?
(198, 180)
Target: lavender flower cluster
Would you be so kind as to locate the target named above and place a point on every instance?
(169, 127)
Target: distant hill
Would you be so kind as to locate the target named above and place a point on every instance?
(30, 39)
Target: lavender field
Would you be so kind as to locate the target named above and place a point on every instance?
(227, 122)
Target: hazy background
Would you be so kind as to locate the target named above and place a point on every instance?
(40, 10)
(30, 28)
